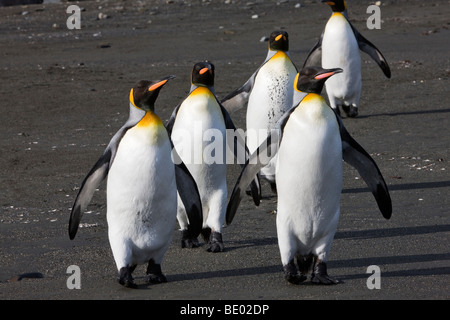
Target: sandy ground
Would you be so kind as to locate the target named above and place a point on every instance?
(64, 93)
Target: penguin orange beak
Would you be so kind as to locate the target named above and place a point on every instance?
(202, 71)
(157, 85)
(328, 74)
(160, 83)
(331, 3)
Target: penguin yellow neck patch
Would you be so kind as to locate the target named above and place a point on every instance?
(201, 90)
(150, 119)
(310, 97)
(280, 54)
(337, 15)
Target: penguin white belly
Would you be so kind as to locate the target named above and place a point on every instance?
(141, 197)
(340, 50)
(199, 134)
(309, 181)
(270, 98)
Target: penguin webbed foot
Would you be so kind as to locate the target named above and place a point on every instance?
(189, 241)
(350, 111)
(154, 273)
(155, 278)
(215, 243)
(125, 278)
(320, 274)
(292, 275)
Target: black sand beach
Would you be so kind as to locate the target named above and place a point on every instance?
(64, 93)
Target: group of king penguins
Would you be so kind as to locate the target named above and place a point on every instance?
(152, 182)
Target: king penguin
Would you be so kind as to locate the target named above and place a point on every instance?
(339, 46)
(141, 189)
(311, 142)
(198, 127)
(268, 94)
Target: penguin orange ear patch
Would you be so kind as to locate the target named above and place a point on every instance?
(202, 71)
(132, 97)
(296, 81)
(278, 37)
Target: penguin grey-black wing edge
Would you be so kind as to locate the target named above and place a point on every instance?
(186, 185)
(171, 122)
(91, 182)
(355, 155)
(314, 57)
(239, 97)
(369, 48)
(190, 196)
(187, 188)
(237, 145)
(252, 166)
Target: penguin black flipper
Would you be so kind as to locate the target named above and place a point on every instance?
(314, 57)
(369, 48)
(252, 166)
(171, 122)
(91, 182)
(355, 155)
(186, 185)
(190, 196)
(97, 174)
(239, 97)
(239, 144)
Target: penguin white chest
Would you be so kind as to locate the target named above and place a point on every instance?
(309, 173)
(199, 130)
(340, 50)
(141, 188)
(272, 92)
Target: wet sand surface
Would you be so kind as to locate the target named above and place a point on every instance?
(64, 93)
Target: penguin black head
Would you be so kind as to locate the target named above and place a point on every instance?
(203, 74)
(312, 79)
(144, 93)
(279, 41)
(336, 5)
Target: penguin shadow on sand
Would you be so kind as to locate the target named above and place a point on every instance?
(406, 113)
(398, 259)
